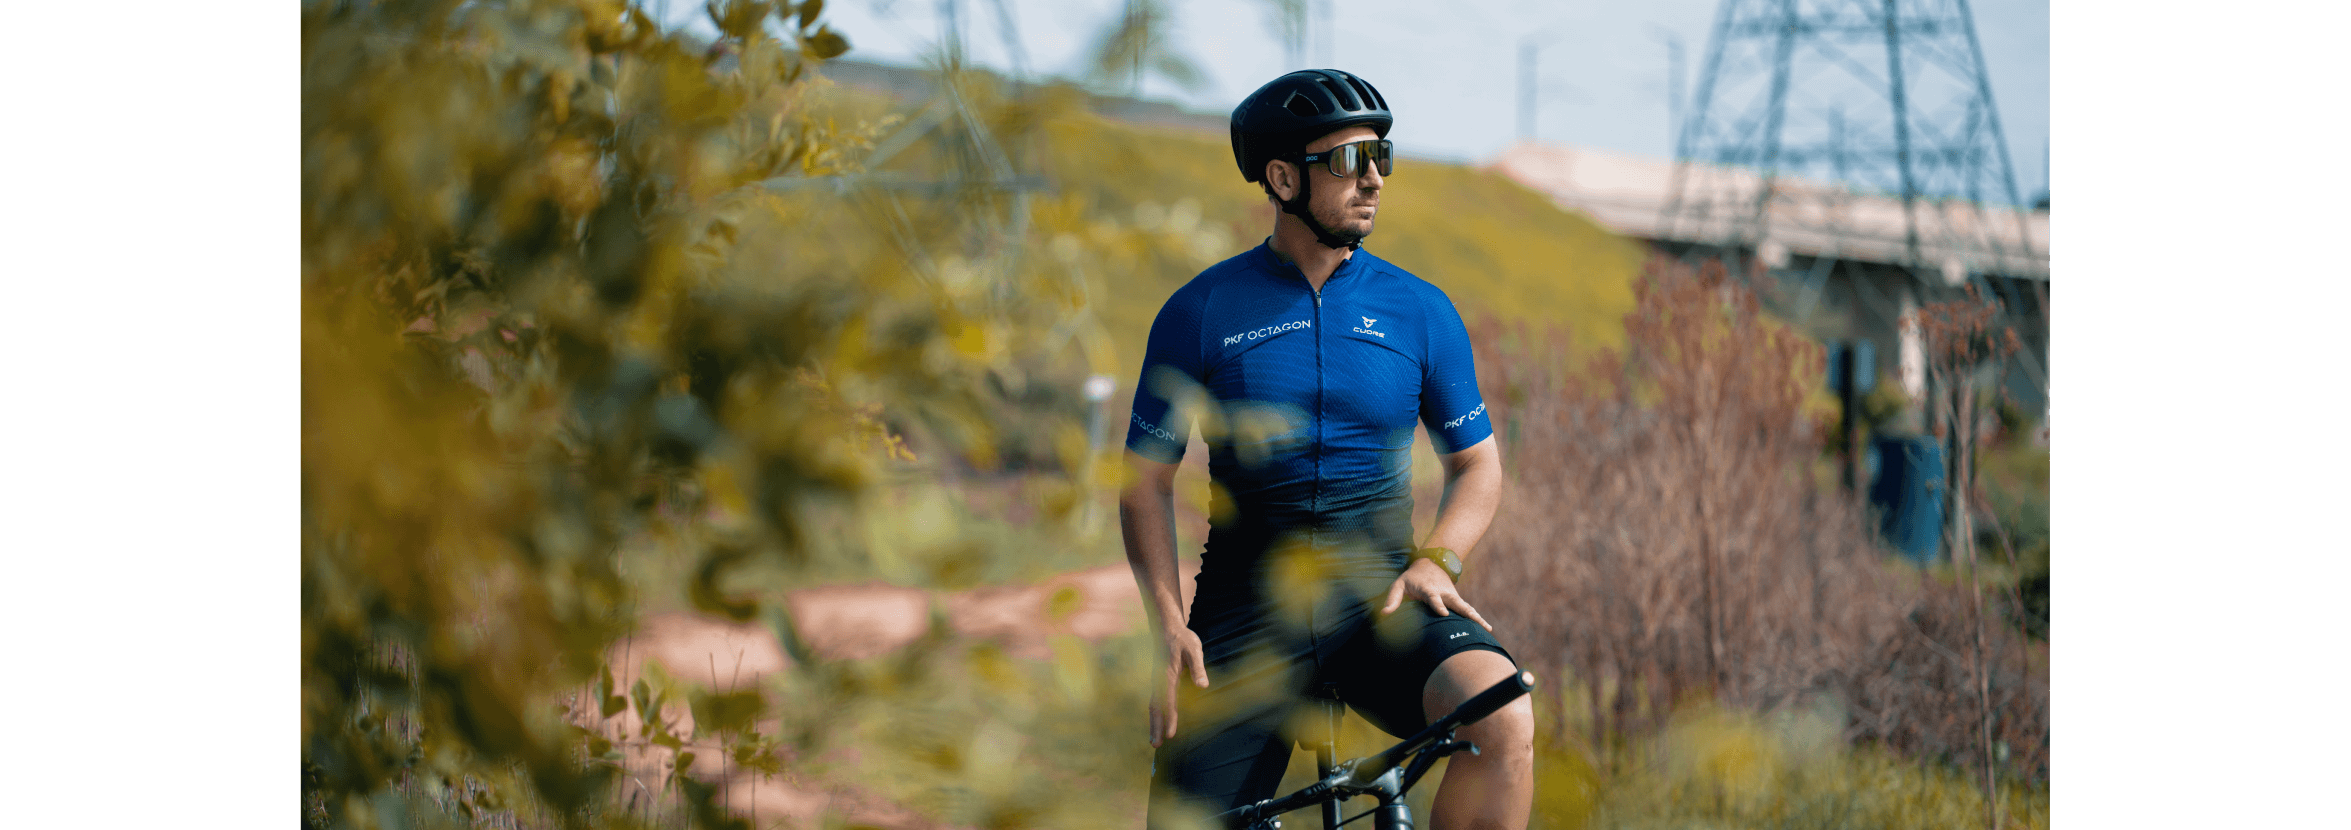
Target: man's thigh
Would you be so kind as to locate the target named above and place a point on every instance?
(1461, 677)
(1232, 740)
(1385, 671)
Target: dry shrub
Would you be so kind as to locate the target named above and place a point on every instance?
(1663, 540)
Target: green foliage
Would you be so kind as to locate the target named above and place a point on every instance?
(2015, 480)
(2030, 608)
(974, 736)
(1503, 251)
(1720, 768)
(1495, 247)
(1717, 767)
(1136, 211)
(2014, 421)
(599, 322)
(1711, 766)
(1882, 405)
(575, 347)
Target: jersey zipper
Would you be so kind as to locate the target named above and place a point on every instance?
(1314, 524)
(1320, 417)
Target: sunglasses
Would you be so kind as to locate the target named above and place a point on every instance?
(1346, 161)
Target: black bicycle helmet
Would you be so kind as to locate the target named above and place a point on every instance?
(1283, 116)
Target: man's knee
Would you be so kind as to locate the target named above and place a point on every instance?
(1508, 735)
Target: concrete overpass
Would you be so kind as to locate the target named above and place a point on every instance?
(1839, 264)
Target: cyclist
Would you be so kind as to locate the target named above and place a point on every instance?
(1305, 362)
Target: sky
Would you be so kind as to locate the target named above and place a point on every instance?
(1450, 75)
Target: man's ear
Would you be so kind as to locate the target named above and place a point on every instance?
(1279, 176)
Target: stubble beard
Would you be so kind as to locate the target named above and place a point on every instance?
(1342, 233)
(1339, 220)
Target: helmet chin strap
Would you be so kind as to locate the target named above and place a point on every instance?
(1302, 207)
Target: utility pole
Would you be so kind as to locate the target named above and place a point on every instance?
(951, 31)
(1530, 81)
(1012, 48)
(1673, 84)
(1526, 88)
(1852, 375)
(1098, 390)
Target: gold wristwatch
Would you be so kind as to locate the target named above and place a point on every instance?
(1444, 557)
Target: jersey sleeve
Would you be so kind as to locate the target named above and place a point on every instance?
(1450, 405)
(1158, 427)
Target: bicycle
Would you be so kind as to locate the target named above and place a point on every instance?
(1383, 775)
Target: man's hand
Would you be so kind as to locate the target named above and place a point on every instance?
(1183, 659)
(1427, 582)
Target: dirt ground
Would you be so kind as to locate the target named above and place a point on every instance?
(855, 621)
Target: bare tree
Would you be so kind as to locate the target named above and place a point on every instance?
(1664, 538)
(1965, 341)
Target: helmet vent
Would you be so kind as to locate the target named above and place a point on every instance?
(1301, 106)
(1345, 97)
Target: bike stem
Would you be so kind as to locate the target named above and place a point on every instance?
(1326, 758)
(1338, 783)
(1396, 774)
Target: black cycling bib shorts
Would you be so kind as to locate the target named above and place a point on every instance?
(1307, 401)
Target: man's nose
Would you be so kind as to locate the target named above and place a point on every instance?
(1371, 178)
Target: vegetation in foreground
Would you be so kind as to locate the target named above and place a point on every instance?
(600, 322)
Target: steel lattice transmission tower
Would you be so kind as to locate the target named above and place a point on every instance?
(1857, 128)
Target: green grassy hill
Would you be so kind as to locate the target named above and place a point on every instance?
(1494, 246)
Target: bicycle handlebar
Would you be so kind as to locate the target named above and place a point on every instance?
(1487, 702)
(1355, 777)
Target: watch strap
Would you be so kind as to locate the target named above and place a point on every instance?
(1445, 559)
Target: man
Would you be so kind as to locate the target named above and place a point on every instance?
(1305, 362)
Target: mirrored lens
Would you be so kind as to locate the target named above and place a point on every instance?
(1346, 160)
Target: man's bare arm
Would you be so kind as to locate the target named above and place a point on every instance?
(1473, 489)
(1146, 521)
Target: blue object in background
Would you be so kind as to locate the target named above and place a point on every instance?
(1907, 490)
(1862, 354)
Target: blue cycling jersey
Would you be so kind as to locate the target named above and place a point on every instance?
(1306, 399)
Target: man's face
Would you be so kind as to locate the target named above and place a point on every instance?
(1346, 206)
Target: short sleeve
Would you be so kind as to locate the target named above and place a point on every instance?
(1450, 405)
(1159, 428)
